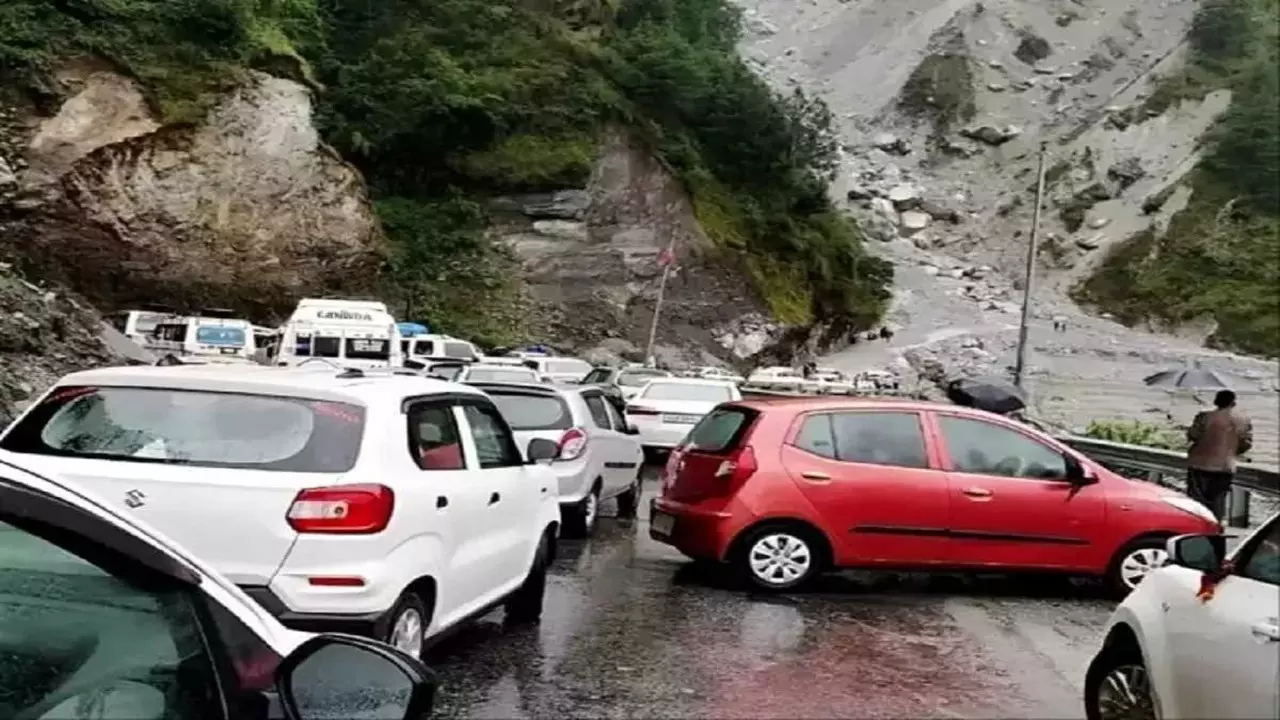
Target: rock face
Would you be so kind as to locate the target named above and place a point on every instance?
(248, 210)
(595, 276)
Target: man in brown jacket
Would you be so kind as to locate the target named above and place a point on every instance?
(1217, 437)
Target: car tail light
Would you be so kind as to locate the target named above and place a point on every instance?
(735, 471)
(342, 509)
(572, 444)
(641, 410)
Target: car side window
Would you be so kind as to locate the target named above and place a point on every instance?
(599, 413)
(984, 448)
(871, 438)
(615, 417)
(434, 442)
(1261, 562)
(494, 443)
(76, 640)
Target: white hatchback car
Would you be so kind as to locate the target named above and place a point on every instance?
(482, 373)
(598, 455)
(1198, 638)
(376, 503)
(668, 408)
(105, 617)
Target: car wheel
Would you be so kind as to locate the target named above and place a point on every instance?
(1133, 562)
(580, 519)
(407, 625)
(1118, 687)
(778, 558)
(525, 604)
(629, 501)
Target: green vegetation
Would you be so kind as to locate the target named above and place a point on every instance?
(1136, 432)
(442, 103)
(1220, 257)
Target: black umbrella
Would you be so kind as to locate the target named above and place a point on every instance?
(1192, 378)
(986, 393)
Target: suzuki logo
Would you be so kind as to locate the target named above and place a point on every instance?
(135, 498)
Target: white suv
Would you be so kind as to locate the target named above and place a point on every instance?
(375, 503)
(598, 454)
(1198, 638)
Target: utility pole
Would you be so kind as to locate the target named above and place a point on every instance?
(1020, 365)
(668, 259)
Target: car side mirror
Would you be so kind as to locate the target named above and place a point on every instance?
(1205, 553)
(630, 429)
(542, 450)
(341, 675)
(1078, 473)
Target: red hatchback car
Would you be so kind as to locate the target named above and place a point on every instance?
(783, 489)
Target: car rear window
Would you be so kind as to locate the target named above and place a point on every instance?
(721, 430)
(566, 367)
(458, 350)
(510, 375)
(529, 411)
(187, 427)
(693, 392)
(636, 378)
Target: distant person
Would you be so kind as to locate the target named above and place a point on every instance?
(1217, 438)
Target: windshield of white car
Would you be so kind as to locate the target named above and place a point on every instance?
(186, 427)
(693, 392)
(512, 375)
(529, 411)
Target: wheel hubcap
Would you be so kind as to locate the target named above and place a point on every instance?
(406, 633)
(1125, 694)
(779, 558)
(1138, 563)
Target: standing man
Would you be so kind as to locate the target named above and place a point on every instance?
(1217, 437)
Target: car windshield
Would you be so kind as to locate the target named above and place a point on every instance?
(192, 428)
(693, 392)
(527, 411)
(637, 378)
(458, 350)
(501, 374)
(224, 335)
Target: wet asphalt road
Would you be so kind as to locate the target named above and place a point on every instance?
(632, 630)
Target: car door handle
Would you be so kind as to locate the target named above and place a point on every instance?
(1267, 631)
(494, 498)
(442, 501)
(815, 476)
(977, 492)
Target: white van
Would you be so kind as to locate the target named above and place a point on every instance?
(352, 333)
(426, 349)
(214, 339)
(137, 325)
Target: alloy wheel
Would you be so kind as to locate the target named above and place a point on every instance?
(1137, 564)
(1125, 694)
(406, 633)
(780, 559)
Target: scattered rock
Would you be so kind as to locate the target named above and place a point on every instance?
(561, 205)
(996, 87)
(858, 193)
(904, 197)
(913, 221)
(565, 229)
(1126, 172)
(1032, 48)
(884, 208)
(931, 270)
(1091, 243)
(1099, 222)
(938, 212)
(7, 175)
(891, 143)
(992, 135)
(1154, 202)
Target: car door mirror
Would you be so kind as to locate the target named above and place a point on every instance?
(1078, 473)
(343, 676)
(542, 450)
(1205, 553)
(630, 429)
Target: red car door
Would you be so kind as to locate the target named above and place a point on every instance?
(869, 477)
(1011, 504)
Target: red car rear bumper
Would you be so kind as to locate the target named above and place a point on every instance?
(696, 531)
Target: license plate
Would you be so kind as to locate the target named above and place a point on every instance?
(227, 351)
(663, 523)
(681, 419)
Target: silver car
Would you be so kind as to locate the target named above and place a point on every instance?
(599, 455)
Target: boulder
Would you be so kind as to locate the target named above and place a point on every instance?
(1091, 243)
(913, 221)
(1098, 223)
(930, 270)
(939, 212)
(884, 208)
(1126, 172)
(858, 193)
(992, 135)
(561, 205)
(563, 229)
(904, 197)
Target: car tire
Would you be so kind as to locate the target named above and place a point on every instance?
(1114, 669)
(778, 558)
(629, 501)
(525, 604)
(1133, 562)
(580, 518)
(409, 619)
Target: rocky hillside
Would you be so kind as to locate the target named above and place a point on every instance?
(943, 105)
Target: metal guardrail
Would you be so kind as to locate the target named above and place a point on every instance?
(1166, 467)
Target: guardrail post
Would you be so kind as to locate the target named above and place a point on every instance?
(1238, 508)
